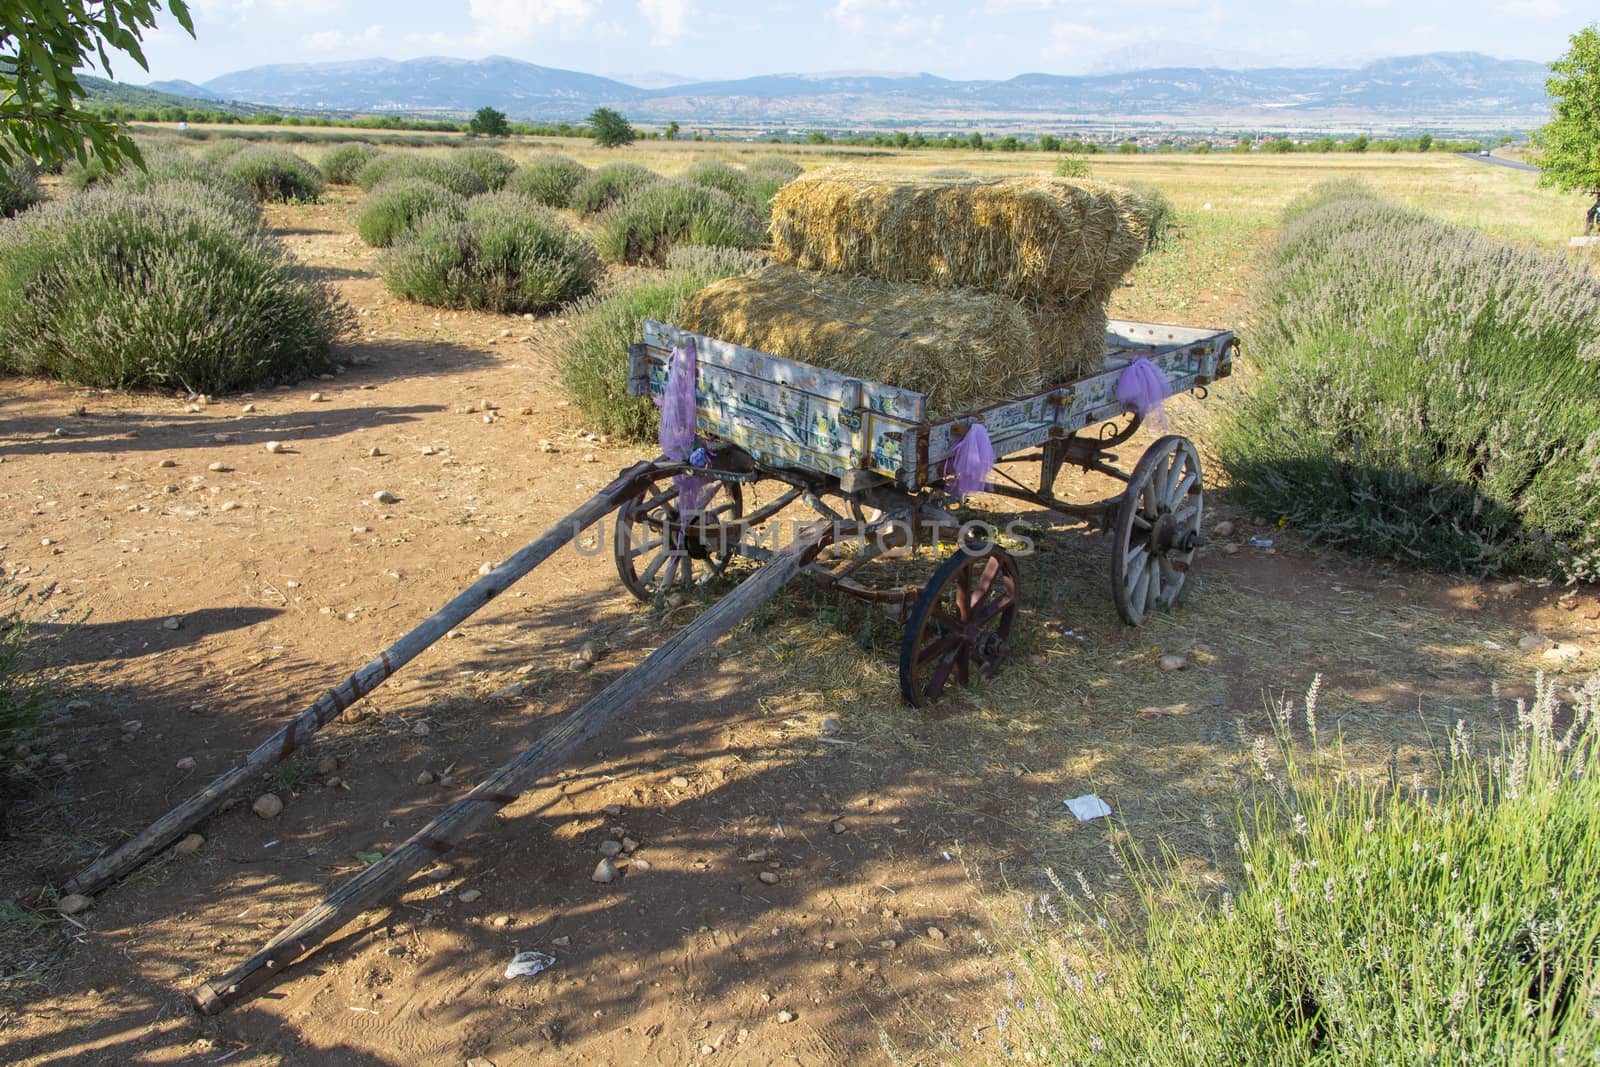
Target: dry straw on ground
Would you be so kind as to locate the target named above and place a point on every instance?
(1034, 238)
(962, 349)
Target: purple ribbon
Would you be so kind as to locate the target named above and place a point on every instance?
(1145, 389)
(967, 468)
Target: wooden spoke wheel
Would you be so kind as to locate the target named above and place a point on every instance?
(960, 628)
(1157, 530)
(659, 548)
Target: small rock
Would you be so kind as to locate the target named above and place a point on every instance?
(678, 781)
(831, 726)
(500, 921)
(73, 903)
(421, 729)
(440, 872)
(383, 496)
(629, 845)
(1223, 529)
(167, 463)
(1230, 549)
(935, 933)
(189, 845)
(589, 653)
(59, 758)
(317, 398)
(360, 529)
(769, 877)
(604, 871)
(174, 623)
(222, 438)
(787, 1017)
(467, 896)
(479, 1061)
(1508, 589)
(610, 848)
(588, 457)
(249, 409)
(275, 447)
(562, 942)
(1173, 663)
(489, 405)
(374, 452)
(429, 450)
(187, 763)
(887, 944)
(484, 569)
(838, 826)
(641, 865)
(217, 468)
(546, 446)
(327, 765)
(758, 856)
(612, 809)
(425, 778)
(268, 806)
(1536, 642)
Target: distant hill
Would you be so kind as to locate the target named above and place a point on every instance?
(1457, 87)
(161, 94)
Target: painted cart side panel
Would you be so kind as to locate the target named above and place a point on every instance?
(791, 414)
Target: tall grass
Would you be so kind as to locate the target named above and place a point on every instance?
(122, 289)
(1422, 392)
(506, 254)
(1398, 922)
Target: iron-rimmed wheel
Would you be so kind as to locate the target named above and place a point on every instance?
(659, 549)
(1158, 529)
(960, 628)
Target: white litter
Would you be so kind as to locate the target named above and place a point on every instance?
(527, 964)
(1088, 807)
(1261, 542)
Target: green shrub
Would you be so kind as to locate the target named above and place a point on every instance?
(83, 175)
(276, 175)
(1160, 219)
(714, 261)
(507, 255)
(1422, 392)
(773, 168)
(23, 679)
(343, 162)
(19, 188)
(446, 172)
(493, 167)
(164, 166)
(225, 149)
(1072, 167)
(393, 207)
(121, 289)
(645, 226)
(608, 185)
(592, 360)
(723, 176)
(549, 180)
(1372, 923)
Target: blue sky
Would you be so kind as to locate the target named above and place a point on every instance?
(713, 39)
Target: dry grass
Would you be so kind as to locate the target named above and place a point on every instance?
(960, 348)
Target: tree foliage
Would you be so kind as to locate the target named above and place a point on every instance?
(611, 130)
(42, 44)
(1569, 144)
(489, 123)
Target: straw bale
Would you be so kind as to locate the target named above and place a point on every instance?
(1031, 237)
(962, 349)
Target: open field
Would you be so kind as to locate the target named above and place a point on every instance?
(886, 938)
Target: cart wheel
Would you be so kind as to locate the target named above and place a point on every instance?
(657, 549)
(1158, 529)
(961, 623)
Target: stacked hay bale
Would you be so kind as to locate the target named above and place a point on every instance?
(970, 290)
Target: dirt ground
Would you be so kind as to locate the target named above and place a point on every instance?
(221, 600)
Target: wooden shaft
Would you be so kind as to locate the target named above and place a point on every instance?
(504, 785)
(161, 833)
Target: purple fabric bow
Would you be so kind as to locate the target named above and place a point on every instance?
(676, 435)
(1144, 388)
(967, 469)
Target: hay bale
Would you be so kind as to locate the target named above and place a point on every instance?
(1040, 238)
(1071, 335)
(960, 348)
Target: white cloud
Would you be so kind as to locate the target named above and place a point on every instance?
(1534, 9)
(512, 21)
(336, 40)
(854, 14)
(1078, 45)
(666, 18)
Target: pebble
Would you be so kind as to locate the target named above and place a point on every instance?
(374, 453)
(274, 447)
(47, 541)
(838, 826)
(383, 496)
(1230, 549)
(641, 865)
(589, 653)
(189, 845)
(546, 446)
(1508, 588)
(467, 896)
(935, 933)
(500, 921)
(440, 872)
(1223, 529)
(887, 944)
(249, 409)
(787, 1016)
(268, 806)
(217, 468)
(769, 877)
(758, 856)
(229, 506)
(588, 457)
(831, 726)
(327, 765)
(612, 809)
(1173, 663)
(610, 848)
(174, 623)
(429, 450)
(485, 568)
(73, 903)
(604, 871)
(317, 398)
(629, 845)
(222, 438)
(421, 729)
(167, 464)
(479, 1061)
(1536, 642)
(425, 778)
(187, 763)
(678, 781)
(490, 405)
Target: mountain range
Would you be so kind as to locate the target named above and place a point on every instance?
(1445, 87)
